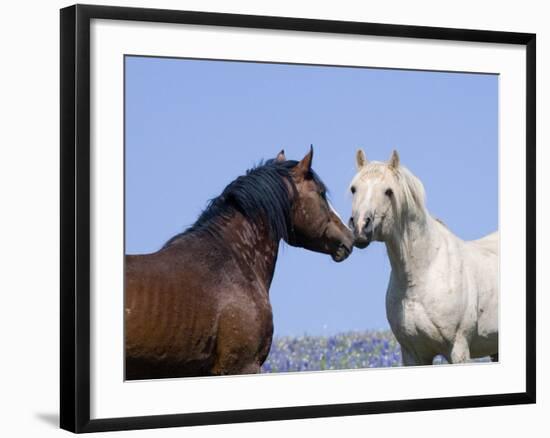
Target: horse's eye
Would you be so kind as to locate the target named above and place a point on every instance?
(352, 189)
(389, 192)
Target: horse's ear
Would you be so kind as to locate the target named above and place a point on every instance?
(280, 156)
(394, 160)
(360, 159)
(304, 166)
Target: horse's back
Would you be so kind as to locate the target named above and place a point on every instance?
(488, 243)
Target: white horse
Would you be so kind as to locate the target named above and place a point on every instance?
(442, 296)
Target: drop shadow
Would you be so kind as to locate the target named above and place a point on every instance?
(49, 418)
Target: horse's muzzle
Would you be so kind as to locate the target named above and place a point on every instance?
(363, 238)
(362, 241)
(342, 252)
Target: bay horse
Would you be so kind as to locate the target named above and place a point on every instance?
(200, 305)
(442, 296)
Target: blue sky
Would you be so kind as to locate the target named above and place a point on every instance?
(193, 126)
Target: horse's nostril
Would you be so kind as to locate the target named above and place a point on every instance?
(368, 225)
(350, 223)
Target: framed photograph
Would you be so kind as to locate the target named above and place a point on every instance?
(268, 218)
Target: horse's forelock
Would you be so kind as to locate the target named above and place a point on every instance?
(410, 191)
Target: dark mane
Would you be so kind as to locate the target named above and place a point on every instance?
(264, 193)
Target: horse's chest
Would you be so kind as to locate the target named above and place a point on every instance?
(410, 321)
(248, 317)
(402, 316)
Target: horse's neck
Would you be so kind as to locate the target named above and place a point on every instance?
(412, 248)
(252, 247)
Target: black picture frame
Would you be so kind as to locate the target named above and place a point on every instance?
(75, 217)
